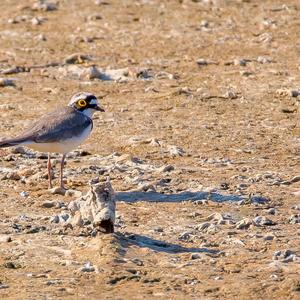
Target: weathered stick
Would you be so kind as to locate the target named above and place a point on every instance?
(96, 208)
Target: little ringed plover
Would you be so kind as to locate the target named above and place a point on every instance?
(60, 131)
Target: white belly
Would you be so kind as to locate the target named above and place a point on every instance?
(63, 146)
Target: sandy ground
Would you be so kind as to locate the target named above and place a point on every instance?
(200, 138)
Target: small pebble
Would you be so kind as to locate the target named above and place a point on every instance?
(7, 82)
(264, 60)
(44, 6)
(296, 207)
(167, 168)
(5, 238)
(73, 193)
(53, 282)
(158, 229)
(36, 21)
(94, 17)
(58, 191)
(294, 219)
(14, 70)
(274, 277)
(240, 62)
(4, 286)
(284, 256)
(185, 236)
(268, 238)
(175, 151)
(146, 187)
(76, 58)
(243, 224)
(195, 256)
(246, 73)
(7, 107)
(18, 150)
(54, 219)
(204, 23)
(64, 217)
(263, 221)
(24, 194)
(202, 62)
(271, 211)
(231, 95)
(101, 2)
(88, 267)
(137, 261)
(218, 278)
(49, 204)
(286, 92)
(200, 202)
(41, 37)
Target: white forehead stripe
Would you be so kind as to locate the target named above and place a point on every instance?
(82, 96)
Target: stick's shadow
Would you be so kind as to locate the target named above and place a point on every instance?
(133, 196)
(157, 245)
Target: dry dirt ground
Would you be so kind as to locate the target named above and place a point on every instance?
(200, 138)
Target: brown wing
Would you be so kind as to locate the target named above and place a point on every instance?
(53, 127)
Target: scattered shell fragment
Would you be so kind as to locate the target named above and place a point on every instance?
(263, 221)
(42, 5)
(286, 256)
(167, 168)
(246, 73)
(14, 70)
(240, 62)
(244, 224)
(76, 58)
(7, 82)
(221, 219)
(4, 238)
(88, 267)
(230, 95)
(175, 150)
(37, 20)
(3, 286)
(292, 180)
(24, 194)
(296, 207)
(264, 60)
(201, 62)
(294, 219)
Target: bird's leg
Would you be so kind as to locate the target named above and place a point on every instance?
(61, 172)
(49, 172)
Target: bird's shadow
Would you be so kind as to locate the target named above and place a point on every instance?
(135, 196)
(143, 241)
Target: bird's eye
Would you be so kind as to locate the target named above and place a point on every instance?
(81, 103)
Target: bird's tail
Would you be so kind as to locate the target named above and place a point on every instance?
(12, 142)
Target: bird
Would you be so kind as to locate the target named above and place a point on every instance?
(60, 131)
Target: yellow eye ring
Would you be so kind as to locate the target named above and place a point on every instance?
(81, 103)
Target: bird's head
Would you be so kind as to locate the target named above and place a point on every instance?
(86, 103)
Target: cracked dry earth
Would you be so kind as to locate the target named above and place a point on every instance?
(200, 139)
